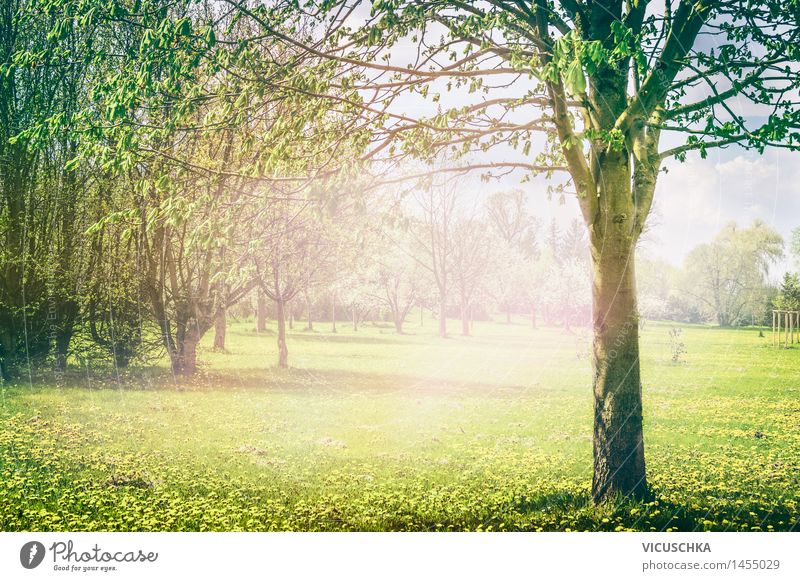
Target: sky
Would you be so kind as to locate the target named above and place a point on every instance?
(696, 198)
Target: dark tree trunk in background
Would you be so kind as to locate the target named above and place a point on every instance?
(69, 312)
(261, 312)
(63, 339)
(283, 350)
(220, 328)
(465, 320)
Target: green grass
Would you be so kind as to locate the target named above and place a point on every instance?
(374, 431)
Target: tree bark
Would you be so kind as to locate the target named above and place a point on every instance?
(184, 354)
(190, 355)
(220, 328)
(465, 320)
(283, 350)
(619, 465)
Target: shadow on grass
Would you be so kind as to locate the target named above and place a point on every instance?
(308, 336)
(307, 380)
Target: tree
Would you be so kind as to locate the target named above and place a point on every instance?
(513, 252)
(433, 239)
(794, 246)
(510, 219)
(470, 254)
(392, 278)
(603, 80)
(789, 297)
(727, 277)
(290, 244)
(42, 216)
(655, 281)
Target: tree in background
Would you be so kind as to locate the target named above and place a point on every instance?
(794, 246)
(45, 201)
(655, 283)
(513, 252)
(727, 277)
(397, 282)
(789, 295)
(470, 259)
(433, 219)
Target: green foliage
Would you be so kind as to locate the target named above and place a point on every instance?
(789, 297)
(794, 246)
(726, 278)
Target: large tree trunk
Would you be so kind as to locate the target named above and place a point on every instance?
(465, 320)
(283, 350)
(184, 354)
(261, 312)
(220, 328)
(190, 355)
(619, 467)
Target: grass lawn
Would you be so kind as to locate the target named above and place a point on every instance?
(374, 431)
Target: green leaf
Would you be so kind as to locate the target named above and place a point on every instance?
(574, 79)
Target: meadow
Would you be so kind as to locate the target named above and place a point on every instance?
(375, 431)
